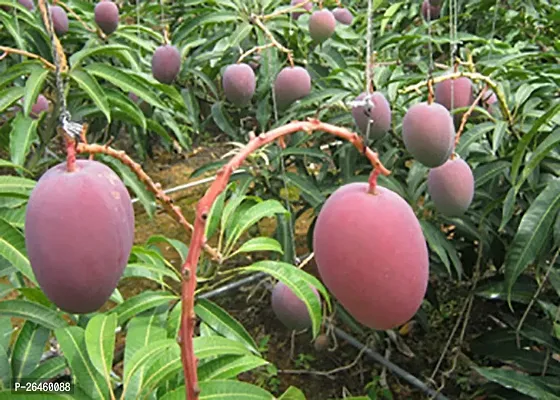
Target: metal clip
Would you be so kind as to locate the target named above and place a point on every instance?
(73, 129)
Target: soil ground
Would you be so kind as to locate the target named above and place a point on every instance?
(413, 348)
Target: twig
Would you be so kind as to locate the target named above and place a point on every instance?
(465, 311)
(534, 298)
(472, 75)
(285, 10)
(188, 318)
(326, 373)
(78, 18)
(257, 21)
(256, 49)
(9, 50)
(155, 188)
(467, 114)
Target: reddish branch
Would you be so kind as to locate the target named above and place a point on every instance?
(153, 187)
(188, 319)
(467, 114)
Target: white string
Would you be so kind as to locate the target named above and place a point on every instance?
(452, 49)
(368, 104)
(430, 47)
(494, 27)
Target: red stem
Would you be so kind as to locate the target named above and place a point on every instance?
(188, 318)
(467, 114)
(70, 154)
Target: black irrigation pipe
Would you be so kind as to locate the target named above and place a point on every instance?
(375, 356)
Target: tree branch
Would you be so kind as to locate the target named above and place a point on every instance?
(188, 318)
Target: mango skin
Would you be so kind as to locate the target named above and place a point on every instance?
(307, 7)
(239, 84)
(79, 231)
(59, 19)
(42, 104)
(107, 16)
(322, 24)
(343, 15)
(435, 11)
(289, 308)
(451, 187)
(462, 95)
(428, 133)
(166, 64)
(291, 84)
(380, 116)
(372, 255)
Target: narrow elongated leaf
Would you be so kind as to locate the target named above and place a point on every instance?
(12, 249)
(9, 96)
(143, 355)
(5, 370)
(486, 172)
(211, 346)
(220, 321)
(267, 208)
(544, 148)
(142, 330)
(534, 229)
(228, 367)
(14, 186)
(223, 120)
(166, 367)
(100, 343)
(33, 86)
(308, 189)
(519, 382)
(293, 393)
(32, 312)
(107, 49)
(89, 85)
(24, 132)
(299, 282)
(73, 344)
(526, 139)
(181, 248)
(142, 302)
(126, 81)
(48, 369)
(259, 244)
(28, 349)
(148, 271)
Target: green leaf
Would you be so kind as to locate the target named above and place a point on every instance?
(520, 382)
(259, 244)
(181, 248)
(533, 231)
(73, 344)
(28, 349)
(48, 369)
(544, 148)
(23, 133)
(149, 271)
(166, 366)
(142, 302)
(228, 367)
(224, 324)
(223, 120)
(293, 393)
(486, 172)
(14, 186)
(126, 81)
(211, 346)
(308, 189)
(100, 343)
(526, 139)
(33, 87)
(267, 208)
(5, 370)
(299, 282)
(143, 356)
(9, 96)
(107, 49)
(89, 85)
(497, 137)
(142, 330)
(12, 249)
(215, 215)
(32, 312)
